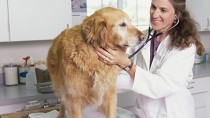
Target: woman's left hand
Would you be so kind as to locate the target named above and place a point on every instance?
(113, 56)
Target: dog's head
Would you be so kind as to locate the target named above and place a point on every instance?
(111, 27)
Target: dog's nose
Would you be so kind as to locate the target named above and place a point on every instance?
(141, 37)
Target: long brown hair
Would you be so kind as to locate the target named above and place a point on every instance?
(185, 33)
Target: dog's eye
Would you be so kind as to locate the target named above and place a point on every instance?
(123, 24)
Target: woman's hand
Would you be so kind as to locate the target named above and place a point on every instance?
(113, 56)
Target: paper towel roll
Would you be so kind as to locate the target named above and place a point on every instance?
(11, 75)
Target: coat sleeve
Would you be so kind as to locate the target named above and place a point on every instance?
(172, 75)
(124, 82)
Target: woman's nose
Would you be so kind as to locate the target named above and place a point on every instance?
(155, 13)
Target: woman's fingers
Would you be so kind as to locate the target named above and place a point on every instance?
(110, 56)
(113, 56)
(103, 55)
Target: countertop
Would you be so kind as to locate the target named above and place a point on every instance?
(201, 70)
(19, 94)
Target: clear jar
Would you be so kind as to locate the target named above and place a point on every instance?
(11, 74)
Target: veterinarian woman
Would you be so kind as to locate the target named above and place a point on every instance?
(162, 69)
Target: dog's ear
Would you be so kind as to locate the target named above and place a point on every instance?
(95, 30)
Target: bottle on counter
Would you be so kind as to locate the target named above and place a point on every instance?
(206, 57)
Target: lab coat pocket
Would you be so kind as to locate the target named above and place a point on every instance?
(140, 109)
(140, 113)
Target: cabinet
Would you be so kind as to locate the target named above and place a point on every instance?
(37, 19)
(200, 90)
(77, 18)
(200, 12)
(4, 29)
(206, 15)
(126, 100)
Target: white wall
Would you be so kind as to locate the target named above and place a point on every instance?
(13, 52)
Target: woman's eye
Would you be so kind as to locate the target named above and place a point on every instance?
(123, 24)
(152, 7)
(163, 10)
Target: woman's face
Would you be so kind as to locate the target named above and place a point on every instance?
(162, 15)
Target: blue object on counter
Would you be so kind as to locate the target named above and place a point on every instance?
(206, 57)
(23, 71)
(23, 74)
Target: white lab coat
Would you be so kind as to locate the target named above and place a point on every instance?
(162, 89)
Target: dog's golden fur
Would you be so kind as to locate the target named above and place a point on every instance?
(79, 78)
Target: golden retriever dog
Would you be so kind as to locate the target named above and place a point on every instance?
(79, 78)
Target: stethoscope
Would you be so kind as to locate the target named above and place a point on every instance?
(150, 37)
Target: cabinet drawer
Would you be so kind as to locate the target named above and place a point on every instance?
(201, 100)
(126, 99)
(202, 113)
(199, 85)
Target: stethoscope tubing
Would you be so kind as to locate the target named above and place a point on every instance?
(148, 39)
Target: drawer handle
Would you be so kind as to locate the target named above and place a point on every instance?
(192, 82)
(190, 87)
(67, 26)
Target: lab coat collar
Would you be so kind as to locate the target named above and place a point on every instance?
(160, 54)
(146, 49)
